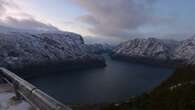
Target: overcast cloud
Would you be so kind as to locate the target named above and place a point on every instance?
(116, 17)
(26, 22)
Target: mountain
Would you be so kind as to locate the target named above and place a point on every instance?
(149, 50)
(99, 48)
(21, 51)
(153, 51)
(186, 51)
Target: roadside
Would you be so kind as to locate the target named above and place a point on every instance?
(8, 100)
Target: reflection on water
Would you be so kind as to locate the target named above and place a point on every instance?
(116, 82)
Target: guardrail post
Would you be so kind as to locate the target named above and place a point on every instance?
(15, 86)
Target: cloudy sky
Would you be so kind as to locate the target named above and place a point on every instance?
(105, 19)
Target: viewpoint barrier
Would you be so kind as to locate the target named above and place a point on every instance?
(37, 98)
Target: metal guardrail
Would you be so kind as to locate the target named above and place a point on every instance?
(37, 98)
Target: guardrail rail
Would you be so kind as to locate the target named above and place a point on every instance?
(37, 98)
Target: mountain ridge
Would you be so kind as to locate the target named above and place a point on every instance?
(22, 50)
(153, 50)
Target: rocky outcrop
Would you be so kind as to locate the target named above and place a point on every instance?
(64, 49)
(157, 51)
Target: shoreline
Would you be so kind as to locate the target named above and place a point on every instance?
(45, 68)
(150, 61)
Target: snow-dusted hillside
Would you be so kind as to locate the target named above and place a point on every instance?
(144, 48)
(153, 50)
(18, 50)
(186, 51)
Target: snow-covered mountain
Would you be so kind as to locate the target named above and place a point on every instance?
(154, 50)
(186, 51)
(19, 50)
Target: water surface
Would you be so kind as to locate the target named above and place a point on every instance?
(116, 82)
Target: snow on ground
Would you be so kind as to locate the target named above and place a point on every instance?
(8, 102)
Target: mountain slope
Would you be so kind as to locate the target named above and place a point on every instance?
(186, 51)
(157, 51)
(22, 50)
(149, 50)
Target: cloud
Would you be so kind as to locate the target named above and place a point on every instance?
(5, 5)
(12, 17)
(27, 24)
(2, 7)
(116, 17)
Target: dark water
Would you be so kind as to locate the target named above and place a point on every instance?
(118, 81)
